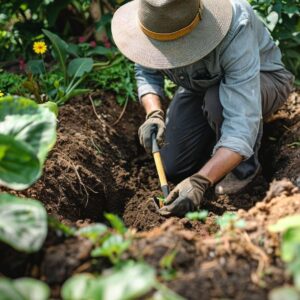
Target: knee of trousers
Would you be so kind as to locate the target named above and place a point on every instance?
(176, 172)
(173, 172)
(212, 108)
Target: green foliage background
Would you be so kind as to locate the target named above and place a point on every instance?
(21, 23)
(283, 20)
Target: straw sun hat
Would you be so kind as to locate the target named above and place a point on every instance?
(166, 34)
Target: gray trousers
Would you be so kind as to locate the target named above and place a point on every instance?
(190, 136)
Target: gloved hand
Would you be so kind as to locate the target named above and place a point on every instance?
(154, 123)
(186, 196)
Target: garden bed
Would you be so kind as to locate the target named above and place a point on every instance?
(98, 166)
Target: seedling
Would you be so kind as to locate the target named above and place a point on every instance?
(94, 232)
(197, 215)
(160, 201)
(113, 247)
(228, 222)
(166, 263)
(110, 243)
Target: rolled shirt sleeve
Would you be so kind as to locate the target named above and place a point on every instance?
(240, 91)
(149, 81)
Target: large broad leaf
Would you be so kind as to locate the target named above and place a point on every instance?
(32, 289)
(23, 223)
(79, 66)
(34, 127)
(60, 50)
(23, 289)
(8, 291)
(285, 224)
(79, 287)
(36, 66)
(19, 165)
(284, 293)
(131, 282)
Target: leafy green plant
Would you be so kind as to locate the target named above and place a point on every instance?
(23, 289)
(113, 246)
(118, 78)
(282, 19)
(62, 84)
(11, 84)
(289, 227)
(110, 243)
(27, 134)
(197, 215)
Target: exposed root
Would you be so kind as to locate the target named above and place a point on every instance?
(100, 118)
(122, 113)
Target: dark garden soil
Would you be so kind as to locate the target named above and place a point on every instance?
(97, 166)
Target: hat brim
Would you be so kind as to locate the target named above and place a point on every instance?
(135, 45)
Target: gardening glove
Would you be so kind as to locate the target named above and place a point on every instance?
(154, 123)
(186, 196)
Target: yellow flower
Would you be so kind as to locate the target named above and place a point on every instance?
(39, 47)
(1, 94)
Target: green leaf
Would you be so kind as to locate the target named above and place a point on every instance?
(284, 293)
(100, 50)
(72, 94)
(168, 259)
(116, 223)
(92, 232)
(28, 122)
(52, 106)
(36, 66)
(79, 66)
(8, 291)
(113, 247)
(290, 244)
(23, 223)
(131, 282)
(32, 289)
(29, 132)
(285, 223)
(19, 165)
(73, 49)
(58, 226)
(60, 50)
(164, 293)
(79, 287)
(23, 289)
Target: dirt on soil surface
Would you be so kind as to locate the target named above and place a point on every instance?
(98, 166)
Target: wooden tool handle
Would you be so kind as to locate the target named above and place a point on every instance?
(160, 169)
(159, 166)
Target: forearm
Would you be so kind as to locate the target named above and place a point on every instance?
(151, 102)
(223, 162)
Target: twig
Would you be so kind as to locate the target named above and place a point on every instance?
(122, 113)
(81, 183)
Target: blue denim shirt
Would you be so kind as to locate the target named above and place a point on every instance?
(235, 64)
